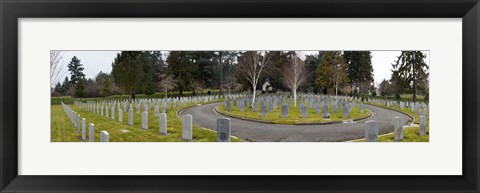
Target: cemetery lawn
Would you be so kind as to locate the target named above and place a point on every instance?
(62, 130)
(410, 134)
(294, 114)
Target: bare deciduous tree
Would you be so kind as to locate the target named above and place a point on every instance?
(251, 65)
(339, 76)
(167, 82)
(56, 68)
(294, 75)
(231, 83)
(385, 88)
(364, 87)
(198, 86)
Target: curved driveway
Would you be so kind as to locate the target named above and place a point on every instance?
(206, 117)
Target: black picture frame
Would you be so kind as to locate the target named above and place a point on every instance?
(11, 10)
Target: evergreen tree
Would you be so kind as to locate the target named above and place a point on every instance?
(104, 81)
(80, 89)
(149, 61)
(411, 69)
(58, 87)
(65, 86)
(311, 63)
(127, 71)
(359, 67)
(181, 65)
(149, 88)
(76, 70)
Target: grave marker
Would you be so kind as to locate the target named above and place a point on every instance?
(145, 120)
(84, 129)
(130, 116)
(120, 115)
(91, 132)
(423, 125)
(371, 131)
(187, 127)
(104, 136)
(285, 111)
(163, 123)
(223, 130)
(398, 128)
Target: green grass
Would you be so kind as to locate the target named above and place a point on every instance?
(404, 98)
(62, 130)
(294, 115)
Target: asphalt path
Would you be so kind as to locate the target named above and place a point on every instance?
(206, 117)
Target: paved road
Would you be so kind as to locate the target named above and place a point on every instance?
(206, 117)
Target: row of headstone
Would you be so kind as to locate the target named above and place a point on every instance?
(81, 124)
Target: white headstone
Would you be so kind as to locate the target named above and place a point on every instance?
(371, 131)
(163, 123)
(104, 136)
(79, 125)
(113, 111)
(423, 125)
(91, 132)
(145, 120)
(187, 127)
(84, 129)
(398, 128)
(120, 115)
(130, 116)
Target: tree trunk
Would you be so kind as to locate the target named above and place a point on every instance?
(336, 91)
(253, 98)
(166, 92)
(132, 96)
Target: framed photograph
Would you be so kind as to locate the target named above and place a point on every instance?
(231, 96)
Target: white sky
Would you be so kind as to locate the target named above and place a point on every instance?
(96, 61)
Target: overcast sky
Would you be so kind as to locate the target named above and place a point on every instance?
(96, 61)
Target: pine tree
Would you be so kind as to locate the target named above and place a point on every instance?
(411, 69)
(76, 70)
(181, 65)
(80, 89)
(65, 86)
(58, 87)
(127, 71)
(359, 67)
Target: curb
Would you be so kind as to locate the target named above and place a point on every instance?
(242, 118)
(337, 122)
(270, 122)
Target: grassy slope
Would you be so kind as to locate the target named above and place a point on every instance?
(294, 115)
(63, 130)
